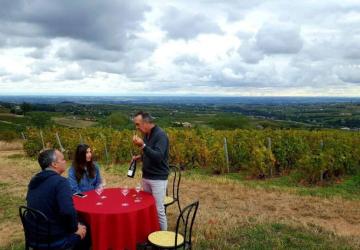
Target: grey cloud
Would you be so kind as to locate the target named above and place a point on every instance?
(326, 14)
(2, 40)
(279, 39)
(114, 62)
(296, 47)
(15, 78)
(19, 28)
(20, 41)
(37, 53)
(242, 35)
(348, 73)
(243, 76)
(43, 66)
(233, 10)
(352, 48)
(137, 50)
(72, 74)
(93, 58)
(250, 53)
(3, 72)
(187, 60)
(182, 25)
(9, 9)
(309, 74)
(78, 50)
(110, 24)
(103, 66)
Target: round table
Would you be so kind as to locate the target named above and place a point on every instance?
(114, 226)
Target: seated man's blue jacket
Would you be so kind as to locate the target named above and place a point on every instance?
(50, 193)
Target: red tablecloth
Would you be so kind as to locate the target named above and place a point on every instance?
(114, 226)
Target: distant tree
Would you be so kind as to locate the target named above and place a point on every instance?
(118, 120)
(26, 107)
(40, 119)
(16, 110)
(229, 122)
(12, 110)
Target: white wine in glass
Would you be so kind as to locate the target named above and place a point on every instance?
(125, 191)
(99, 189)
(138, 189)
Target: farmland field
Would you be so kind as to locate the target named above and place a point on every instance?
(71, 122)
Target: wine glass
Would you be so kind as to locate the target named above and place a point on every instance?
(125, 191)
(137, 189)
(99, 189)
(103, 184)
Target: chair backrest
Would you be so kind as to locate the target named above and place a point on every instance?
(189, 214)
(37, 227)
(175, 178)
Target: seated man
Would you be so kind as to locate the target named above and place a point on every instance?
(50, 193)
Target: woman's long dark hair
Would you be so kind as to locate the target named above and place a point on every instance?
(79, 163)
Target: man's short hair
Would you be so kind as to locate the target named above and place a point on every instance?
(46, 158)
(145, 116)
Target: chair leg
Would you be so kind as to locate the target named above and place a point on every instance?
(165, 207)
(182, 217)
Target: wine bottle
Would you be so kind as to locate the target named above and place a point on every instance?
(132, 169)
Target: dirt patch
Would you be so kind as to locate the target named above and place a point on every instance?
(10, 232)
(14, 145)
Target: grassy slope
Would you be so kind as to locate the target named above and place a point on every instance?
(347, 188)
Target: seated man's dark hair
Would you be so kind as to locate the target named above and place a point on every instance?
(145, 116)
(46, 158)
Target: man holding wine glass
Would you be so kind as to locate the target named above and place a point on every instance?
(155, 154)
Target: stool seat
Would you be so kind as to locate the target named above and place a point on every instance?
(165, 239)
(168, 200)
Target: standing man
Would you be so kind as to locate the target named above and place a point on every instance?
(155, 171)
(50, 193)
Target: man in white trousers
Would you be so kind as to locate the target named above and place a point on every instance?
(155, 171)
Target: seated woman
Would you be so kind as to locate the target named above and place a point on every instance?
(84, 174)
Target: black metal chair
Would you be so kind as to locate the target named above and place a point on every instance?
(173, 196)
(177, 240)
(37, 228)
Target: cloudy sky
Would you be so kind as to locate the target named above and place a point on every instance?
(184, 47)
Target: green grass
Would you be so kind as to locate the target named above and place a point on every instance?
(17, 245)
(4, 110)
(348, 188)
(14, 119)
(275, 236)
(263, 236)
(16, 156)
(74, 123)
(8, 204)
(248, 236)
(8, 126)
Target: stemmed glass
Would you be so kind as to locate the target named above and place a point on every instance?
(99, 189)
(125, 191)
(103, 184)
(137, 189)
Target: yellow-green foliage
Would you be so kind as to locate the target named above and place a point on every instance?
(314, 154)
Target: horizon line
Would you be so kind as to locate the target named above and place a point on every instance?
(138, 96)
